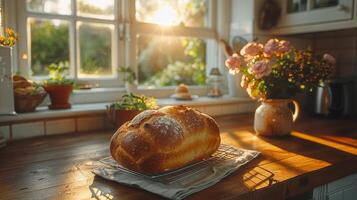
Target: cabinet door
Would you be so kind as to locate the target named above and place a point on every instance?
(350, 193)
(305, 12)
(335, 196)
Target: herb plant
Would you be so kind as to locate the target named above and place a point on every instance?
(57, 74)
(134, 102)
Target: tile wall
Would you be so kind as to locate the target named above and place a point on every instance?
(342, 44)
(35, 128)
(95, 122)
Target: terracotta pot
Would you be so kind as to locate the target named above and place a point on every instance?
(119, 117)
(274, 118)
(59, 96)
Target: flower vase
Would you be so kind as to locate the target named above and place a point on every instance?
(274, 117)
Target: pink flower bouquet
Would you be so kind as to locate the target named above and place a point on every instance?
(276, 69)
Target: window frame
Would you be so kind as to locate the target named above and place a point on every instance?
(126, 29)
(209, 34)
(73, 22)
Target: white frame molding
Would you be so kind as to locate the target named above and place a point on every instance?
(74, 21)
(126, 28)
(208, 33)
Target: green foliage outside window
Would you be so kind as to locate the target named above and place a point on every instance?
(49, 44)
(179, 62)
(159, 65)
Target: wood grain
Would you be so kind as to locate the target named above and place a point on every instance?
(54, 167)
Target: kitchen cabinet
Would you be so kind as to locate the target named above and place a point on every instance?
(304, 12)
(305, 16)
(342, 189)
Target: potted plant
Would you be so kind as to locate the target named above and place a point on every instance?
(128, 107)
(129, 78)
(272, 73)
(58, 87)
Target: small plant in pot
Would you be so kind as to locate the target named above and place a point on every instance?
(58, 86)
(129, 79)
(128, 107)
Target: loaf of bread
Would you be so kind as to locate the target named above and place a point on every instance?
(182, 92)
(157, 141)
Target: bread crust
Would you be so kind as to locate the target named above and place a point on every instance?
(157, 141)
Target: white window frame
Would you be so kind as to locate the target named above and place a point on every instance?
(74, 21)
(126, 29)
(209, 34)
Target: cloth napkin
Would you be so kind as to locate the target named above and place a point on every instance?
(179, 184)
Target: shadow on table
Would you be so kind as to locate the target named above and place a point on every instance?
(110, 190)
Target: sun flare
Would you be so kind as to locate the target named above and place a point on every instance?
(164, 16)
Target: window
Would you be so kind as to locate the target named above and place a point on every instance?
(168, 60)
(78, 33)
(173, 39)
(164, 42)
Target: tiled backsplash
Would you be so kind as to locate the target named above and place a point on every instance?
(342, 45)
(91, 122)
(30, 129)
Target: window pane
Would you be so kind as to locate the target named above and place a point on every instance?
(96, 8)
(297, 6)
(165, 61)
(49, 44)
(50, 6)
(174, 12)
(95, 42)
(325, 3)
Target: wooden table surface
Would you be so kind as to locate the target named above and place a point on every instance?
(54, 167)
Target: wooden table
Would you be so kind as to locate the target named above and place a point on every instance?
(54, 167)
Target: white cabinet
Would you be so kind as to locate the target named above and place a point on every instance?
(304, 12)
(342, 189)
(306, 16)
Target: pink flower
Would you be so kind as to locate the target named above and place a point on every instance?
(284, 46)
(272, 46)
(233, 63)
(329, 58)
(260, 69)
(251, 49)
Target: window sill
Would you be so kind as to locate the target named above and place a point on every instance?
(97, 95)
(212, 106)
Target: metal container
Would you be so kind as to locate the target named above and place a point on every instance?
(334, 98)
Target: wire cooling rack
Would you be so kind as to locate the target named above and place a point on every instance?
(225, 155)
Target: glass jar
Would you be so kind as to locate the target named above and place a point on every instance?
(215, 83)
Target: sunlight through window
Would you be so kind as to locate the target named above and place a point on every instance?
(172, 13)
(164, 16)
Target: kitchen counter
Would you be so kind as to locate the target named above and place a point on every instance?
(318, 151)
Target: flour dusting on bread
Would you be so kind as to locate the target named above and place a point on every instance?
(172, 137)
(142, 116)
